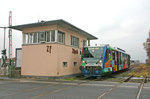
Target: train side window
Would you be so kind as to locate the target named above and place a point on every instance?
(118, 58)
(128, 61)
(113, 55)
(107, 55)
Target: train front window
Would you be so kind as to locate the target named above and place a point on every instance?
(93, 52)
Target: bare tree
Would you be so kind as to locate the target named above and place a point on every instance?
(147, 48)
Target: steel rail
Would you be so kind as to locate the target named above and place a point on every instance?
(140, 88)
(115, 86)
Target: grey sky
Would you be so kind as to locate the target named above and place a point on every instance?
(120, 23)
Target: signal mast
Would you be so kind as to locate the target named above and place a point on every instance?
(10, 55)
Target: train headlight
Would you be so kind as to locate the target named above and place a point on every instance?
(83, 61)
(99, 62)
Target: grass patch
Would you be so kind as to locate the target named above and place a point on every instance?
(141, 70)
(71, 78)
(3, 75)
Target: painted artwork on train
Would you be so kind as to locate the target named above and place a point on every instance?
(100, 60)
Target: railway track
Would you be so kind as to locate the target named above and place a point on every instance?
(126, 80)
(140, 88)
(115, 86)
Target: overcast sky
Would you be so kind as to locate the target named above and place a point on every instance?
(120, 23)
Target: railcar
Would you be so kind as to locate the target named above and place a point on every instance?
(100, 60)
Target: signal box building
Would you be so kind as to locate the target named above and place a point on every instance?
(52, 48)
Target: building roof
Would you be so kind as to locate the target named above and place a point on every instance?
(60, 22)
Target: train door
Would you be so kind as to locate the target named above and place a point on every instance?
(107, 59)
(120, 61)
(124, 57)
(125, 61)
(113, 61)
(128, 61)
(117, 61)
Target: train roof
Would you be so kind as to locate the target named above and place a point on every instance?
(111, 48)
(117, 49)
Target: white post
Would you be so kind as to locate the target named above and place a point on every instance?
(50, 36)
(56, 33)
(37, 37)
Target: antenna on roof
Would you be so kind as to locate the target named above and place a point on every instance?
(121, 49)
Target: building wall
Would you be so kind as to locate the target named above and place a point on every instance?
(36, 61)
(66, 54)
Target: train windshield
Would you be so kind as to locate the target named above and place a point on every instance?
(93, 52)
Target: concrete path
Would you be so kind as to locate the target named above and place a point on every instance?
(56, 89)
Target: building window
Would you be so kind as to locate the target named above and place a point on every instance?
(75, 63)
(61, 37)
(50, 36)
(53, 36)
(41, 37)
(25, 38)
(30, 38)
(65, 64)
(47, 36)
(74, 41)
(35, 37)
(84, 42)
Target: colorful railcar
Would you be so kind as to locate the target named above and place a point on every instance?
(100, 60)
